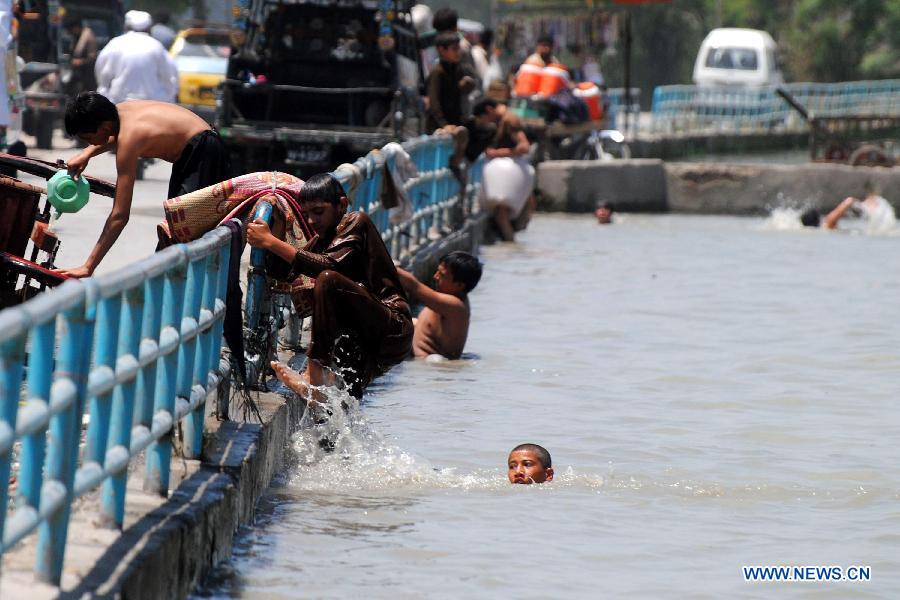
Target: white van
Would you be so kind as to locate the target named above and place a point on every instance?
(737, 57)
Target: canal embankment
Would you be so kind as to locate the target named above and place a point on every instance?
(168, 545)
(653, 185)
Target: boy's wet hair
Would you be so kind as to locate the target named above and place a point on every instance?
(607, 205)
(540, 452)
(445, 19)
(446, 39)
(810, 218)
(482, 105)
(322, 187)
(464, 268)
(87, 111)
(546, 38)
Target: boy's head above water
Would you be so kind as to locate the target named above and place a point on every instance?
(529, 463)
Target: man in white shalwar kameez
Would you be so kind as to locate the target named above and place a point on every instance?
(134, 66)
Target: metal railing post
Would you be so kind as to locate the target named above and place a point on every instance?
(70, 385)
(159, 453)
(112, 501)
(151, 324)
(219, 327)
(108, 311)
(34, 445)
(12, 361)
(196, 353)
(256, 278)
(187, 350)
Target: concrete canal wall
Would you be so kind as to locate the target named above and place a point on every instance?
(651, 185)
(686, 145)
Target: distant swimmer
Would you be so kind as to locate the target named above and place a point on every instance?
(443, 325)
(604, 213)
(529, 463)
(877, 210)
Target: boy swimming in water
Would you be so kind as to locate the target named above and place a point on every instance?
(357, 291)
(443, 325)
(529, 463)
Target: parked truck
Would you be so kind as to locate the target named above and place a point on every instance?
(311, 84)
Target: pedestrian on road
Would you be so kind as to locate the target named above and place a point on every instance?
(134, 66)
(161, 32)
(83, 53)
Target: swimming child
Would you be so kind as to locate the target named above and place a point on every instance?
(443, 325)
(357, 291)
(876, 210)
(529, 463)
(604, 213)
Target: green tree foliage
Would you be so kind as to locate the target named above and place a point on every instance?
(832, 40)
(819, 40)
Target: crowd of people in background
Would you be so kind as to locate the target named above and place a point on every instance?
(469, 96)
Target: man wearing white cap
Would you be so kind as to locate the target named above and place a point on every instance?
(134, 66)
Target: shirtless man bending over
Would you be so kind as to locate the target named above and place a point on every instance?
(443, 325)
(142, 129)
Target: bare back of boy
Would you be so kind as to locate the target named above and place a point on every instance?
(150, 129)
(442, 334)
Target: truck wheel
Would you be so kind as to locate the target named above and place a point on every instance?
(869, 155)
(44, 130)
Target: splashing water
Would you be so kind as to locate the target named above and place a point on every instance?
(879, 215)
(784, 219)
(337, 450)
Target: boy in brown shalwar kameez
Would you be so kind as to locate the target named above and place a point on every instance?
(357, 292)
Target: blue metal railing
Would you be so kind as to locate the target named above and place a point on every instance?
(140, 349)
(619, 112)
(139, 352)
(690, 109)
(434, 193)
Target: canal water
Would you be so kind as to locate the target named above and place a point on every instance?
(716, 392)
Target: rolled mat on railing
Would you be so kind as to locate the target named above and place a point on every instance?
(139, 350)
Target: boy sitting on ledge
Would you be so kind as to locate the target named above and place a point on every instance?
(357, 291)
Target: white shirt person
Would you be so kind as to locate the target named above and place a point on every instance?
(134, 66)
